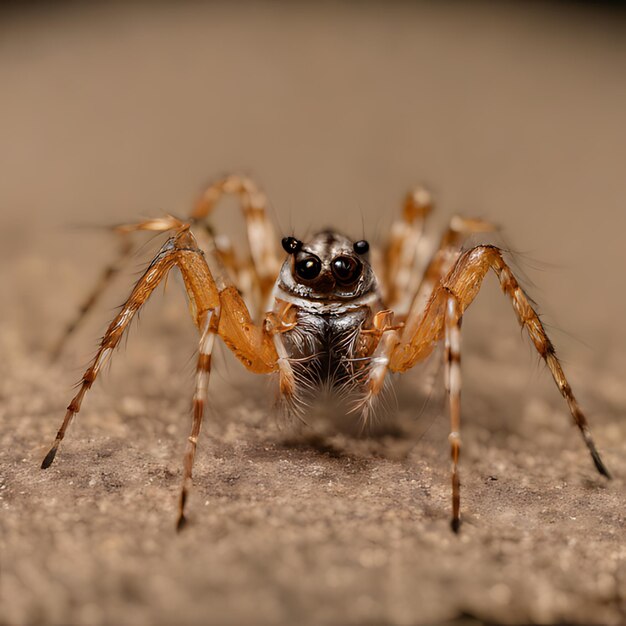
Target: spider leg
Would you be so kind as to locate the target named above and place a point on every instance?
(261, 234)
(126, 251)
(220, 250)
(452, 356)
(108, 273)
(255, 278)
(203, 370)
(442, 260)
(406, 246)
(167, 257)
(215, 310)
(446, 255)
(425, 328)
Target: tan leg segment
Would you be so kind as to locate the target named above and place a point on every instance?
(446, 255)
(464, 281)
(203, 370)
(110, 271)
(107, 275)
(452, 342)
(403, 250)
(250, 344)
(261, 234)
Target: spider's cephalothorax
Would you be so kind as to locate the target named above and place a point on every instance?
(331, 288)
(327, 323)
(326, 272)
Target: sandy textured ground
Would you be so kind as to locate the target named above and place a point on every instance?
(112, 114)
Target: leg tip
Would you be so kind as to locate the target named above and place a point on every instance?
(455, 525)
(181, 523)
(47, 462)
(595, 455)
(600, 466)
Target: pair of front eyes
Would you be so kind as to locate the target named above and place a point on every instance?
(345, 269)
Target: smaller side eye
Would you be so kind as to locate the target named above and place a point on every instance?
(291, 245)
(308, 268)
(361, 247)
(346, 269)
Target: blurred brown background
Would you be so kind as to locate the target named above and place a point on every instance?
(112, 112)
(513, 112)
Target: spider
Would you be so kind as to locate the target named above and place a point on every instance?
(325, 314)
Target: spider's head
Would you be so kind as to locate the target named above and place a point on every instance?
(329, 267)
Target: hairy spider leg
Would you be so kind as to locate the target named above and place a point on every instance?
(463, 282)
(262, 237)
(452, 357)
(405, 249)
(214, 310)
(446, 255)
(200, 397)
(240, 271)
(126, 250)
(441, 261)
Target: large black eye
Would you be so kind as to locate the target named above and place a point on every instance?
(308, 268)
(346, 269)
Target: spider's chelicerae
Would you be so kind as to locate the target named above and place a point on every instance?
(329, 313)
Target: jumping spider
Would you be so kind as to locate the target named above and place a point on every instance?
(322, 315)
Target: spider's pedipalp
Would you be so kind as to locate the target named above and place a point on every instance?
(386, 336)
